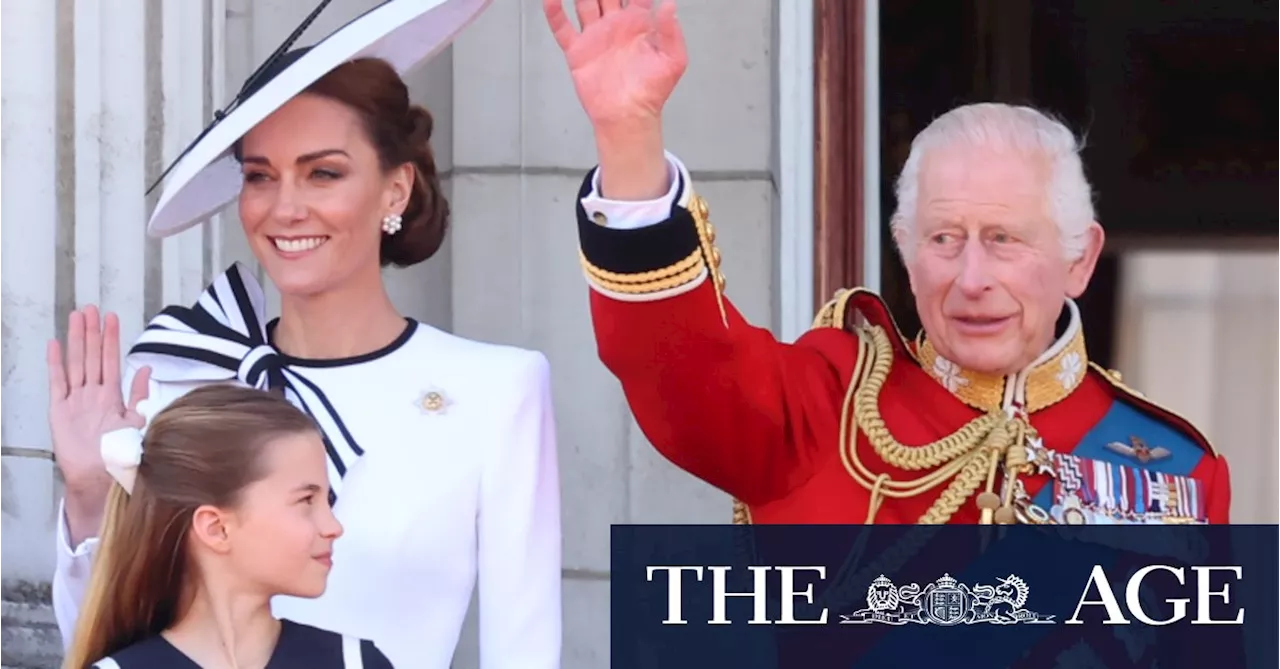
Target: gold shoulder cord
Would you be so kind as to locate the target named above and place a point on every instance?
(972, 454)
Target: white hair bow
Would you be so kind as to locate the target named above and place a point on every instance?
(122, 449)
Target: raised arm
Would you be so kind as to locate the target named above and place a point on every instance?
(717, 396)
(86, 400)
(519, 531)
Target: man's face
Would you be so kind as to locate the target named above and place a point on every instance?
(986, 260)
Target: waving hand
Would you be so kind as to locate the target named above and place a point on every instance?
(86, 401)
(625, 61)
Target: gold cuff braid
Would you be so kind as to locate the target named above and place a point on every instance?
(653, 281)
(682, 273)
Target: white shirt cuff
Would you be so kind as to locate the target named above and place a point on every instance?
(623, 215)
(83, 549)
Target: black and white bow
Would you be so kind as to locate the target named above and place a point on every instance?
(223, 337)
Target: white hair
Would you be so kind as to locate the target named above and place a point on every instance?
(1005, 127)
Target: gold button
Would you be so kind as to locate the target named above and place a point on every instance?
(433, 401)
(600, 218)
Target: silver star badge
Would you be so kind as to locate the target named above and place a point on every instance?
(1040, 457)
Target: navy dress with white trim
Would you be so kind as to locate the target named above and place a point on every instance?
(300, 646)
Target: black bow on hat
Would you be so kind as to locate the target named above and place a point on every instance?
(279, 59)
(402, 33)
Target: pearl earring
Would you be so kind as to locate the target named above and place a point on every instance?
(391, 224)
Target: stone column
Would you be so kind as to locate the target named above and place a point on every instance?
(111, 123)
(30, 285)
(522, 146)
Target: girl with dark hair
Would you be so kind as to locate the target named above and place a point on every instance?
(441, 451)
(219, 507)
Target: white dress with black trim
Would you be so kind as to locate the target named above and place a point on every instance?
(299, 646)
(442, 459)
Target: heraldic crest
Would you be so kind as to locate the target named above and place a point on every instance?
(946, 602)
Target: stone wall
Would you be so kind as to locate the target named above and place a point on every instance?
(94, 111)
(28, 634)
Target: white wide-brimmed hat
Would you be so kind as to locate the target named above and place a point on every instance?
(405, 33)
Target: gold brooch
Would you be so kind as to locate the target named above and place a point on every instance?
(1139, 450)
(434, 401)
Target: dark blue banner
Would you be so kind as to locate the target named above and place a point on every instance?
(816, 596)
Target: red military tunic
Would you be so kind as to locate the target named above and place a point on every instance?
(762, 420)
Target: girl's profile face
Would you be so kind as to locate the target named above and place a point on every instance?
(283, 530)
(314, 195)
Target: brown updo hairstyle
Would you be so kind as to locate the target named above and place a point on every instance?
(400, 133)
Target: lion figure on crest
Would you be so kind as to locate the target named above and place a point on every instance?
(882, 596)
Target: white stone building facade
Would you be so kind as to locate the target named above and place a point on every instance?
(98, 97)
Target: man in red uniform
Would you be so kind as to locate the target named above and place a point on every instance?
(993, 414)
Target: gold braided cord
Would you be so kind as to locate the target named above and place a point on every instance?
(971, 455)
(881, 486)
(683, 272)
(962, 487)
(692, 260)
(741, 513)
(676, 281)
(867, 412)
(701, 214)
(832, 314)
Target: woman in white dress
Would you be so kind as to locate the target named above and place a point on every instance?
(220, 504)
(441, 451)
